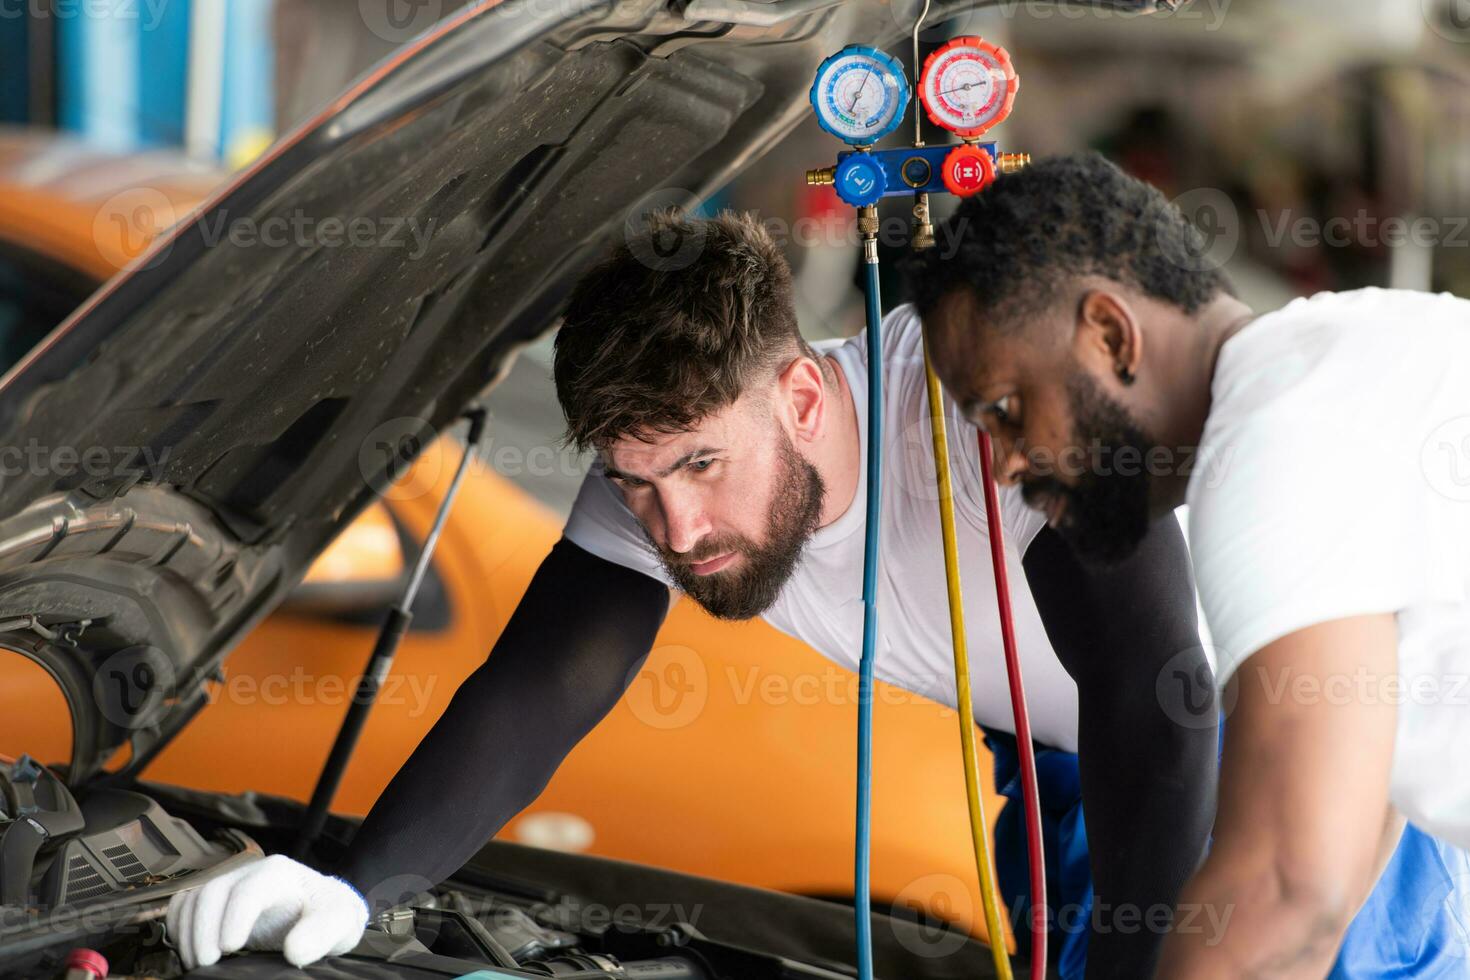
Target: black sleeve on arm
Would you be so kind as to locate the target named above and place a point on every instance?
(571, 648)
(1147, 731)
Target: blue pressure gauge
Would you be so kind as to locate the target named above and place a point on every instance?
(860, 94)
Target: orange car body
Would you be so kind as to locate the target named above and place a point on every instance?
(733, 754)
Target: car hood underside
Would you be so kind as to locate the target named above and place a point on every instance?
(247, 387)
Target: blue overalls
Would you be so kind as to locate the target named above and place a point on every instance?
(1416, 922)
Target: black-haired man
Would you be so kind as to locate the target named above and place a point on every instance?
(1317, 447)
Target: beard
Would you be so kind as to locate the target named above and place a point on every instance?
(748, 590)
(1107, 513)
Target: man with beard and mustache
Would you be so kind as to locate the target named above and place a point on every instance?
(729, 462)
(1323, 452)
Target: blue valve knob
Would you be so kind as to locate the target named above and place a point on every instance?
(860, 180)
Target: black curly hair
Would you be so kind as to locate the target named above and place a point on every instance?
(1017, 245)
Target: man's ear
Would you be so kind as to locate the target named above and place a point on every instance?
(804, 397)
(1107, 337)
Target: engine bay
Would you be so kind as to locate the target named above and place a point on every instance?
(96, 871)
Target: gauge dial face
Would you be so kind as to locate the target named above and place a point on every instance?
(859, 95)
(968, 86)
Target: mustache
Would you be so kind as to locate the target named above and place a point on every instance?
(1035, 491)
(702, 552)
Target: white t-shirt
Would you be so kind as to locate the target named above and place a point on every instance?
(821, 603)
(1335, 483)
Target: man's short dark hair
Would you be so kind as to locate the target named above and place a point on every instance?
(1017, 246)
(672, 326)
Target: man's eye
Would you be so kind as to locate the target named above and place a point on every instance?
(1007, 410)
(700, 465)
(631, 482)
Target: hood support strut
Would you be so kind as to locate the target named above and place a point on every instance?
(400, 615)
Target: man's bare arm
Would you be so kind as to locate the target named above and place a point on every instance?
(1303, 806)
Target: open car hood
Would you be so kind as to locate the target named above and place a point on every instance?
(219, 411)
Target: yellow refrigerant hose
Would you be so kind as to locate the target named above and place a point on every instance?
(989, 898)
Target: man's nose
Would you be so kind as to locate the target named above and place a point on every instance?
(685, 523)
(1008, 460)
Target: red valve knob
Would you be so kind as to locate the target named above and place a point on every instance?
(84, 964)
(967, 170)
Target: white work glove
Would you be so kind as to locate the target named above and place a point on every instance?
(271, 903)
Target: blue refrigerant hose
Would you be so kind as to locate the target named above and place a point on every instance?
(861, 877)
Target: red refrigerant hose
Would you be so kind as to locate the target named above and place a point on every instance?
(1030, 794)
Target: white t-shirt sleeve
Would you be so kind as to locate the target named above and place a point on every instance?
(1296, 521)
(600, 523)
(1021, 523)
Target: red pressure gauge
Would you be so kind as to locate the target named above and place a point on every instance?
(968, 85)
(967, 170)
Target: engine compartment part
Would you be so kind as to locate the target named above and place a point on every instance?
(55, 852)
(93, 874)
